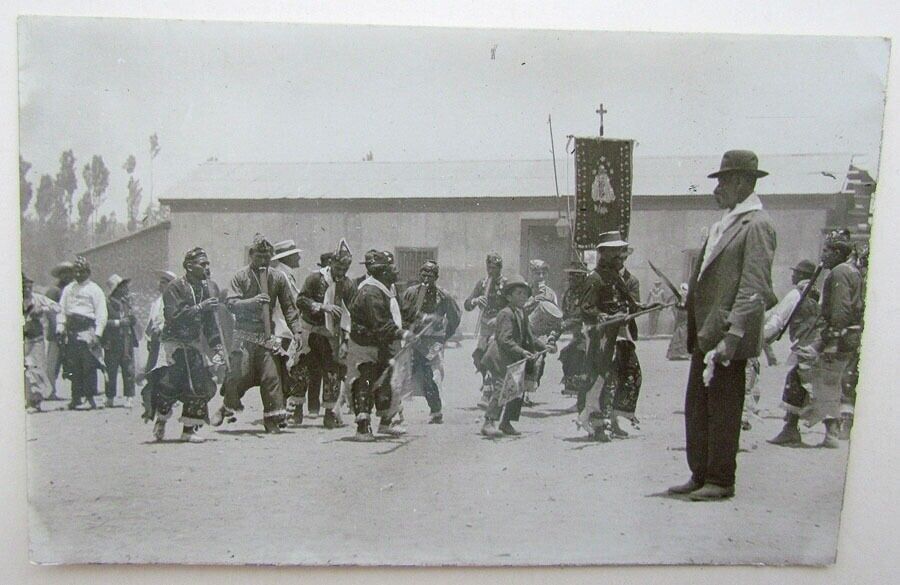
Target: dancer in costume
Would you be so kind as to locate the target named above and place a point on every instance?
(433, 316)
(488, 298)
(191, 347)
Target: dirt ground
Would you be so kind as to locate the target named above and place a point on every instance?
(101, 491)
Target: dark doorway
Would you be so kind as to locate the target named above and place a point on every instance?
(540, 240)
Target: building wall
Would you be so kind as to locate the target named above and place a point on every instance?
(464, 231)
(135, 256)
(463, 238)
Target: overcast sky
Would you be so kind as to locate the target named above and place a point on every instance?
(283, 92)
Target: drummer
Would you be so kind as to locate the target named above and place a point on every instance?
(544, 316)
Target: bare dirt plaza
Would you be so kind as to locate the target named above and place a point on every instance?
(101, 491)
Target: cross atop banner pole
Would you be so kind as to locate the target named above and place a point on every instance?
(601, 111)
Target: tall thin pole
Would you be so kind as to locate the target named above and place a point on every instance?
(553, 151)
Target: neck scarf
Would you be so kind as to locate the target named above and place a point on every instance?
(330, 294)
(395, 306)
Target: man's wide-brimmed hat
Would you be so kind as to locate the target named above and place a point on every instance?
(165, 275)
(115, 281)
(739, 161)
(62, 268)
(611, 240)
(515, 281)
(804, 267)
(576, 268)
(284, 249)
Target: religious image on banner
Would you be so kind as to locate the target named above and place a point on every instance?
(603, 170)
(514, 382)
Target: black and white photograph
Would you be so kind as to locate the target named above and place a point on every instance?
(349, 295)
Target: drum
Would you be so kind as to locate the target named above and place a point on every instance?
(546, 317)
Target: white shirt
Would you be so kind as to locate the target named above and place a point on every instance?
(280, 327)
(779, 314)
(751, 203)
(85, 299)
(156, 318)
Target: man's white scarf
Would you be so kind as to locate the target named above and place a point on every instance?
(330, 293)
(395, 306)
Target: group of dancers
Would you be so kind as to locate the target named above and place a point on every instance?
(331, 341)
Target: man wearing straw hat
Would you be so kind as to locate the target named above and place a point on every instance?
(190, 333)
(82, 320)
(728, 294)
(155, 322)
(119, 340)
(286, 259)
(511, 343)
(64, 274)
(36, 309)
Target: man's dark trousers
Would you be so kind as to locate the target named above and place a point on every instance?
(712, 417)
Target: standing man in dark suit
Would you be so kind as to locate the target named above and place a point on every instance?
(729, 292)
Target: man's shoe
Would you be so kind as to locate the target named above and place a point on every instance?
(436, 418)
(489, 430)
(391, 428)
(221, 415)
(73, 405)
(789, 436)
(313, 413)
(711, 492)
(273, 427)
(159, 429)
(110, 403)
(507, 429)
(685, 488)
(91, 404)
(832, 430)
(330, 421)
(830, 442)
(846, 426)
(617, 432)
(192, 438)
(363, 432)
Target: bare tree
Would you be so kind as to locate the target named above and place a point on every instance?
(96, 181)
(135, 194)
(44, 203)
(66, 179)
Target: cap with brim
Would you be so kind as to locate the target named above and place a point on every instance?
(165, 274)
(515, 281)
(611, 240)
(380, 259)
(62, 267)
(739, 161)
(115, 281)
(368, 257)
